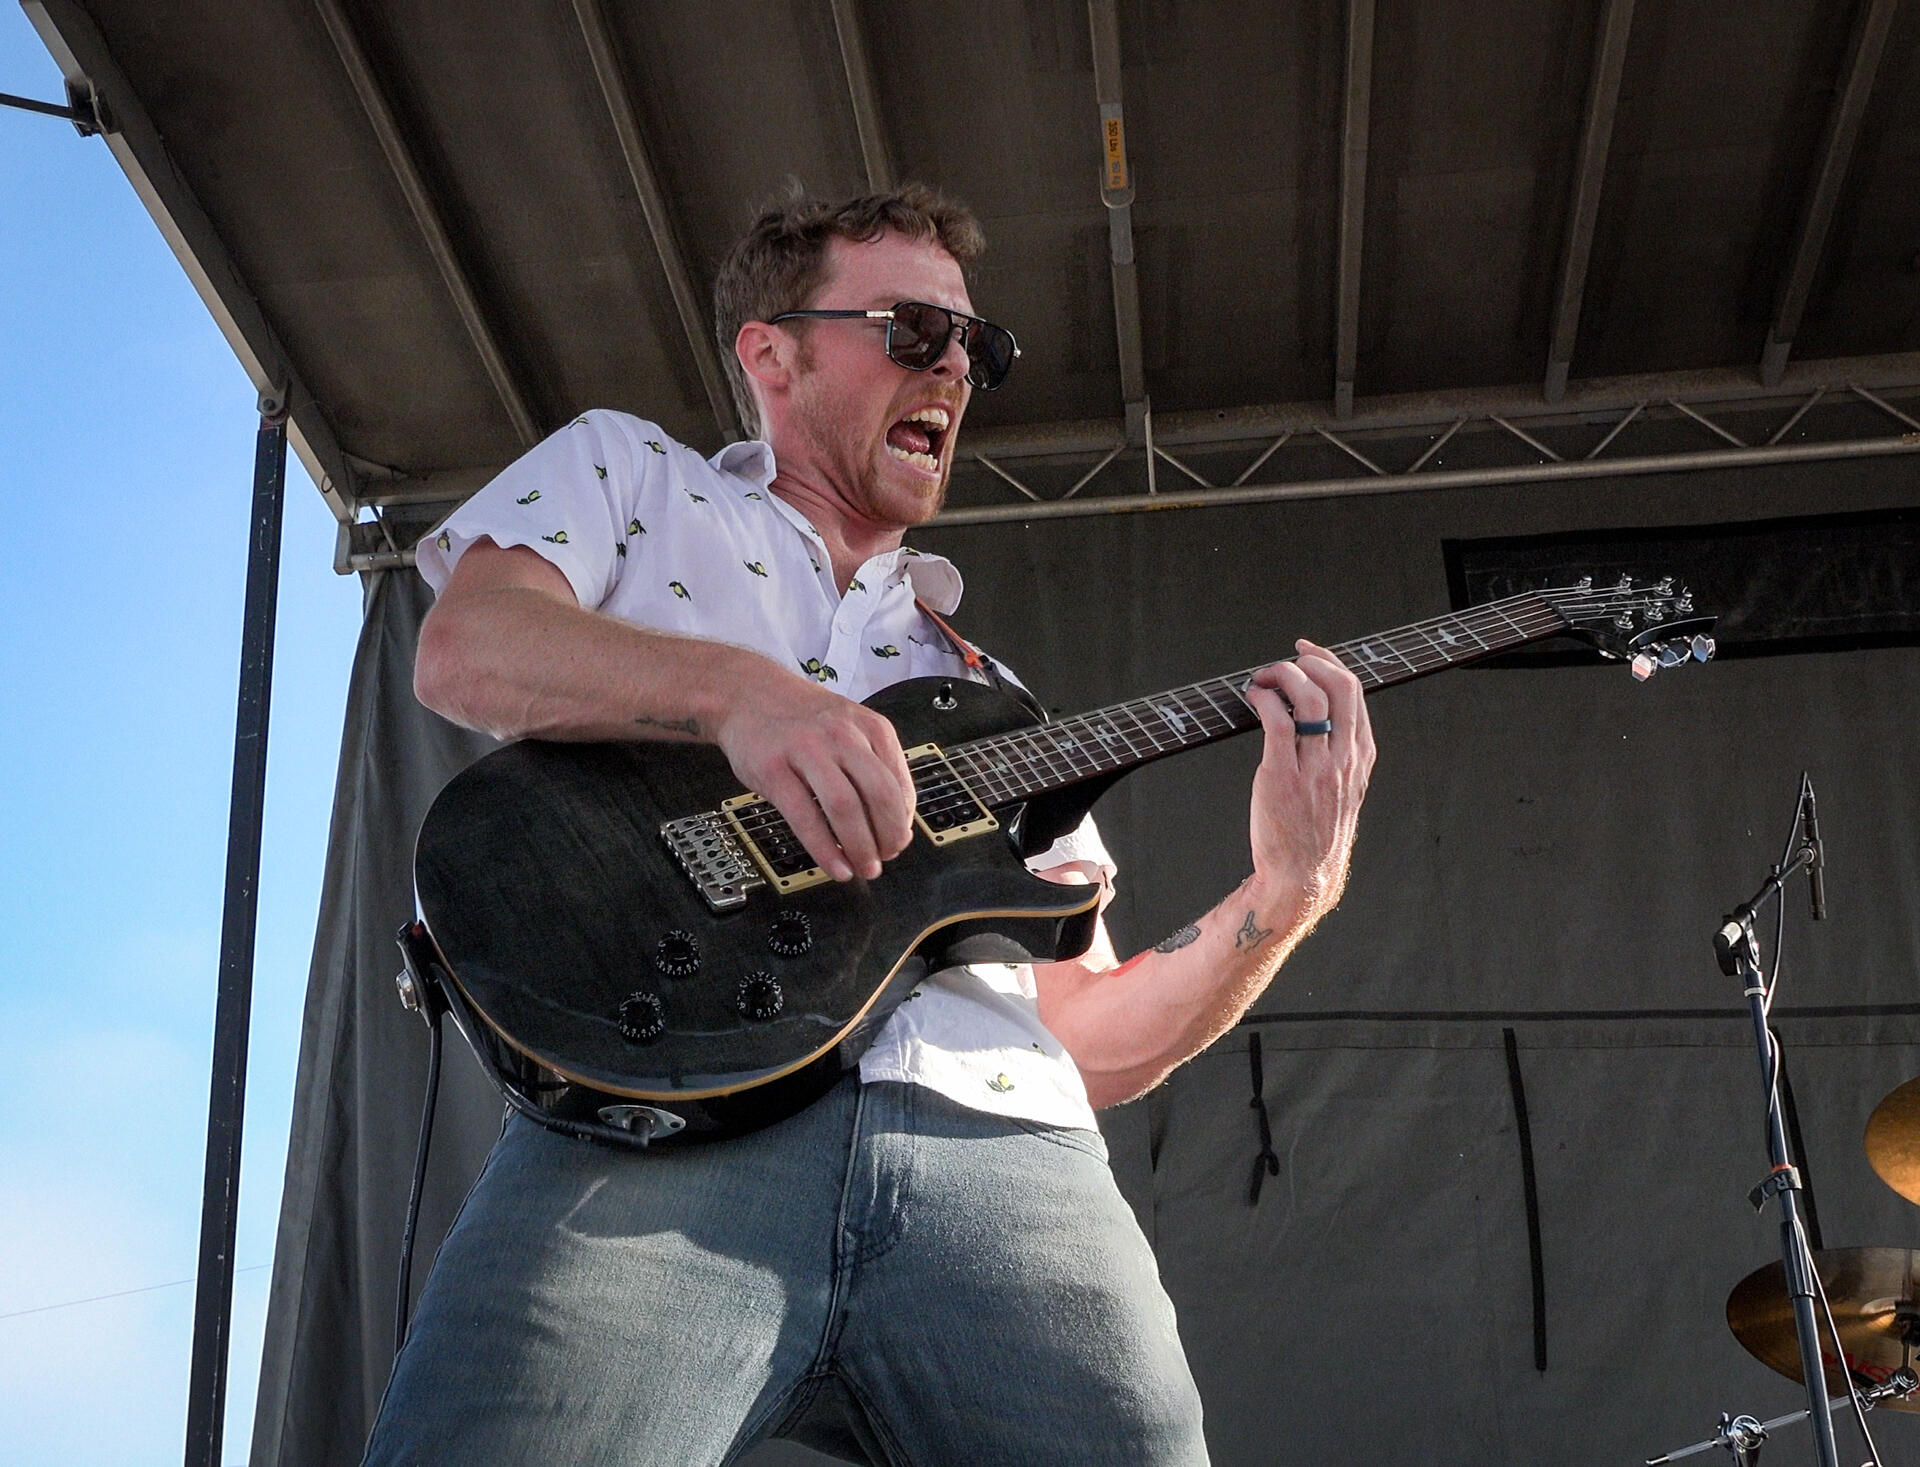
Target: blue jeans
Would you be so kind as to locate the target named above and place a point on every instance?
(886, 1274)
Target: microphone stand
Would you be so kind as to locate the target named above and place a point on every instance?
(1739, 956)
(1744, 1436)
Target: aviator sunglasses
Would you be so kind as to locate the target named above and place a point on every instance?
(917, 337)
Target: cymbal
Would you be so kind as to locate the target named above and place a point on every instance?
(1893, 1139)
(1875, 1295)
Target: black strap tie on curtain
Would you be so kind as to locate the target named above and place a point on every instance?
(1266, 1164)
(1518, 1086)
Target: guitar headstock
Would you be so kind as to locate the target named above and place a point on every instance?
(1648, 624)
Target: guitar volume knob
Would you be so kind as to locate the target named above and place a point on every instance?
(791, 934)
(677, 954)
(759, 997)
(642, 1017)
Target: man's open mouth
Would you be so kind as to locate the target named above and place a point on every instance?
(917, 437)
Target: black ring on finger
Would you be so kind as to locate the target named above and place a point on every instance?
(1309, 728)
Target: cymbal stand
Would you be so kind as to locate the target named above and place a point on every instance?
(1744, 1436)
(1738, 952)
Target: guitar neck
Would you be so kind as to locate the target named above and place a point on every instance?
(1006, 768)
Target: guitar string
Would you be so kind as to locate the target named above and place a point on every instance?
(1558, 606)
(1033, 762)
(1030, 759)
(1196, 701)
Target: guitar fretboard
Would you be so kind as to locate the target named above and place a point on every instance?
(1006, 768)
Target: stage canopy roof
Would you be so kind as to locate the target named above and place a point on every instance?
(1354, 228)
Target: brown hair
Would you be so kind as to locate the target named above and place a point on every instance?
(781, 262)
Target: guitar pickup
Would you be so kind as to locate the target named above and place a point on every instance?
(751, 830)
(945, 809)
(763, 833)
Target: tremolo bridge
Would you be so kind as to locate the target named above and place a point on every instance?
(746, 844)
(712, 858)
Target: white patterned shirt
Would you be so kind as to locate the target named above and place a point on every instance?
(647, 530)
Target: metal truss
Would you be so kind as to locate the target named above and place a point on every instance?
(1596, 427)
(1608, 414)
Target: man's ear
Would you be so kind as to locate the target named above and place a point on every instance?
(766, 354)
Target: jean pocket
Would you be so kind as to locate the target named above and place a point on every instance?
(1074, 1138)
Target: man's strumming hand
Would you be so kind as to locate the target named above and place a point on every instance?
(834, 768)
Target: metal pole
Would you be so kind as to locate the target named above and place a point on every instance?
(1354, 125)
(219, 1208)
(1583, 210)
(1796, 1258)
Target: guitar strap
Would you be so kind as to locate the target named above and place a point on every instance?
(978, 662)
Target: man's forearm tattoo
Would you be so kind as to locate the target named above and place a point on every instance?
(689, 726)
(1251, 934)
(1177, 940)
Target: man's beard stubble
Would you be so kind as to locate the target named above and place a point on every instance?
(854, 465)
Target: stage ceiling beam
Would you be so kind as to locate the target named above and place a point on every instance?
(1357, 112)
(474, 315)
(1117, 192)
(860, 91)
(1399, 412)
(1624, 400)
(653, 205)
(1836, 155)
(80, 51)
(1596, 139)
(1360, 485)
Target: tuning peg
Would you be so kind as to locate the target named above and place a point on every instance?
(1585, 583)
(1665, 588)
(1645, 665)
(1702, 648)
(1685, 603)
(1624, 620)
(1624, 584)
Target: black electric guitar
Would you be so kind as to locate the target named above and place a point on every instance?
(640, 951)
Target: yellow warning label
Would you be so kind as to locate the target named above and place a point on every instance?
(1116, 139)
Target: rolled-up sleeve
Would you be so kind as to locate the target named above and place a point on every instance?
(574, 499)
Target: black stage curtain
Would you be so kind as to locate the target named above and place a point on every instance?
(1512, 1104)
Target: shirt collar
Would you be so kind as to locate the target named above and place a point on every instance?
(750, 458)
(933, 578)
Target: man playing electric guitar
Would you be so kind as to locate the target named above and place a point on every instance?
(932, 1263)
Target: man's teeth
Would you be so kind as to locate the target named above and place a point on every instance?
(919, 460)
(934, 416)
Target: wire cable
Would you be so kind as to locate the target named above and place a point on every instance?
(419, 1179)
(1853, 1390)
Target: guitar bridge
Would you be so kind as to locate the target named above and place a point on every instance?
(713, 860)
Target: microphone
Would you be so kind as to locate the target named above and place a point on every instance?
(1810, 832)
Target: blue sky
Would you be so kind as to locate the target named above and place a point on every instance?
(126, 448)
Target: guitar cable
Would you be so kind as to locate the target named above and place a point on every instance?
(432, 1015)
